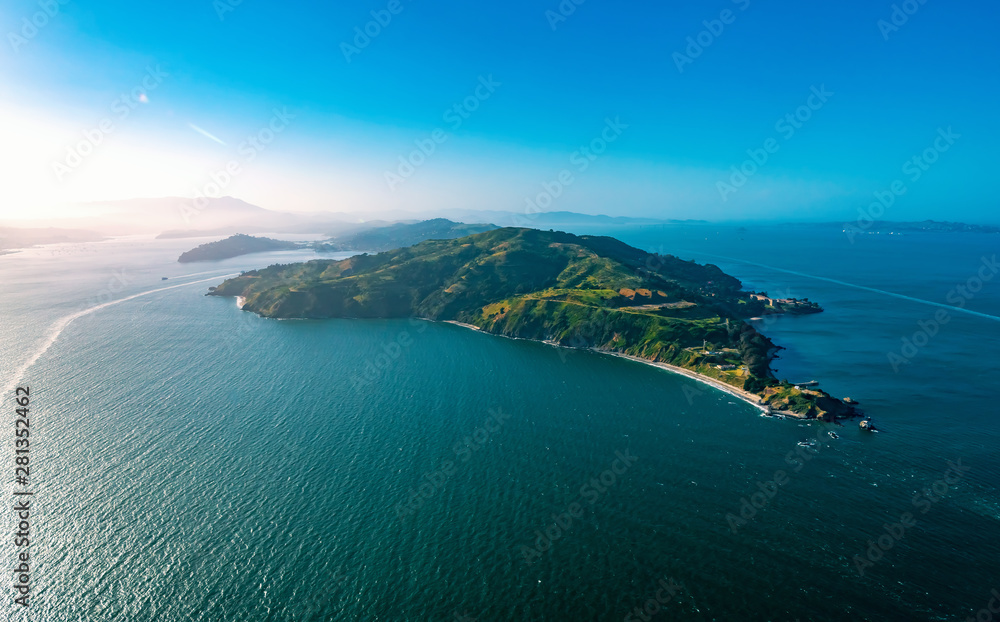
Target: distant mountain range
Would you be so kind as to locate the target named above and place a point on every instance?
(174, 217)
(550, 220)
(17, 237)
(186, 218)
(221, 216)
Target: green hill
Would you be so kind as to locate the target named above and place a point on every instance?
(578, 291)
(234, 246)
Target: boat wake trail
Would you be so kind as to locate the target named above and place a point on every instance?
(60, 325)
(184, 276)
(861, 287)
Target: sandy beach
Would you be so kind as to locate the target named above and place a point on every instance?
(746, 396)
(463, 324)
(750, 398)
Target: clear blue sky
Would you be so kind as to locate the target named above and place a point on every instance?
(892, 91)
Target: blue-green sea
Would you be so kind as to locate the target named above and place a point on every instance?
(193, 462)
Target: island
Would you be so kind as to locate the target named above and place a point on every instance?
(234, 246)
(575, 291)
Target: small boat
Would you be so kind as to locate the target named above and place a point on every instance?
(833, 435)
(867, 425)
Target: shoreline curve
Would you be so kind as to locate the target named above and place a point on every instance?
(747, 397)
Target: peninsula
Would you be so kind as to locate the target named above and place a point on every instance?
(576, 291)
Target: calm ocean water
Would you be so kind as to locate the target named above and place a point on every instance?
(194, 462)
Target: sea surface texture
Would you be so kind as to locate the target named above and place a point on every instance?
(193, 462)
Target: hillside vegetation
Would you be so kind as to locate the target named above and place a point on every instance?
(234, 246)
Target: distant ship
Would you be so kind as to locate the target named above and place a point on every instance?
(163, 278)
